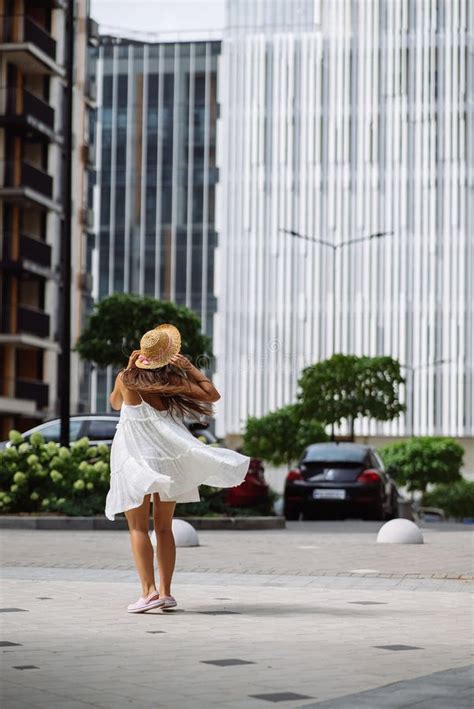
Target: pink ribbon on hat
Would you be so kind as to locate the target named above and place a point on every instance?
(143, 359)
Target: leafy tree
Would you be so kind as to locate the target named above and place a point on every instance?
(280, 436)
(347, 386)
(118, 321)
(423, 460)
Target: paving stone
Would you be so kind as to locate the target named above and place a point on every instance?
(14, 610)
(280, 696)
(227, 662)
(397, 647)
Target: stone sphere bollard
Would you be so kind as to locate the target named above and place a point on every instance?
(399, 531)
(184, 534)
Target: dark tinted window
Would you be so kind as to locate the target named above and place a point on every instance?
(328, 453)
(102, 429)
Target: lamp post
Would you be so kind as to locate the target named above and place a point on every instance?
(335, 248)
(412, 370)
(64, 377)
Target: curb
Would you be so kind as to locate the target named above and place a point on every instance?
(120, 523)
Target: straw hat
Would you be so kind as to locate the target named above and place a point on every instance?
(158, 346)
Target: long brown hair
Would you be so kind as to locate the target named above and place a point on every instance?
(166, 381)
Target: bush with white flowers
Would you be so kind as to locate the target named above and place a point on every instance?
(36, 476)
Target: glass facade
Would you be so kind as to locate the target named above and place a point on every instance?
(156, 135)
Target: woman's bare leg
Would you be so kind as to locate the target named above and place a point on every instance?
(142, 548)
(165, 546)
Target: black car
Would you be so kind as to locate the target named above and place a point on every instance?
(340, 480)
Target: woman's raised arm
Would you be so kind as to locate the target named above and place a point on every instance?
(116, 398)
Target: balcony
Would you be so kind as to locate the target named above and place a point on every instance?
(34, 256)
(26, 327)
(32, 322)
(90, 91)
(27, 114)
(86, 217)
(51, 4)
(11, 404)
(34, 250)
(27, 45)
(25, 183)
(32, 389)
(88, 155)
(84, 282)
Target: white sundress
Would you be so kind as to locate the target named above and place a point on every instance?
(154, 452)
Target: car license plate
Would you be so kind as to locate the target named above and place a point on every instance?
(329, 494)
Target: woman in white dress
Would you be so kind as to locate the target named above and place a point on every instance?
(154, 455)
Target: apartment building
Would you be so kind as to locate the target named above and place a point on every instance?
(32, 72)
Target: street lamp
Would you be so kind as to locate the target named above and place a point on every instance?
(412, 370)
(335, 247)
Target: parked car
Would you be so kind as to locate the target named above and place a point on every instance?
(253, 491)
(340, 480)
(100, 428)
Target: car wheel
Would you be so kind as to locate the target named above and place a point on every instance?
(292, 514)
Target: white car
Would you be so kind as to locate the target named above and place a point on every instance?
(100, 428)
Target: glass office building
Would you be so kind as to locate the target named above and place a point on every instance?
(155, 195)
(340, 120)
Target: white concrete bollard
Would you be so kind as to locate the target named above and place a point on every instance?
(184, 534)
(399, 531)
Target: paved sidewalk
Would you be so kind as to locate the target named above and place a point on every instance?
(453, 689)
(310, 548)
(272, 628)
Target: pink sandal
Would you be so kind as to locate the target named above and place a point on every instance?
(145, 603)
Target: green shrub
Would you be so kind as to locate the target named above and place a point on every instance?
(455, 499)
(423, 460)
(42, 477)
(212, 504)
